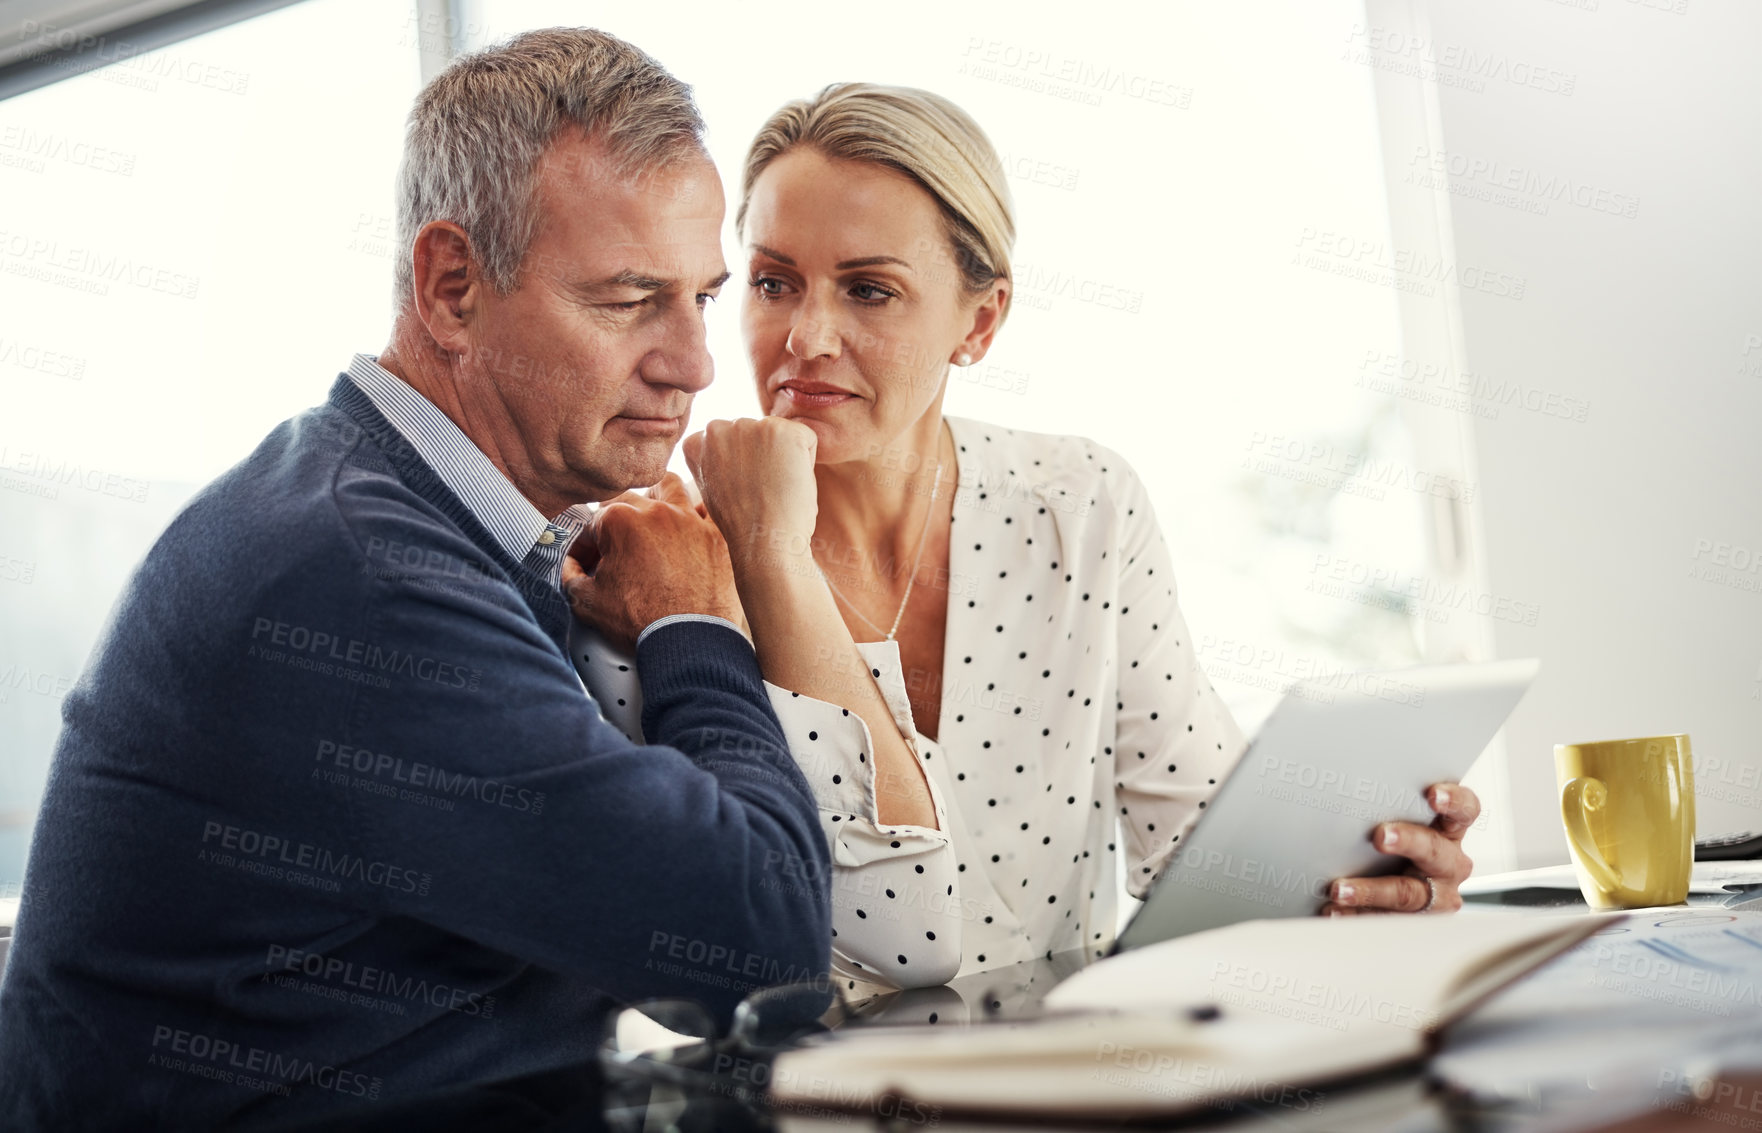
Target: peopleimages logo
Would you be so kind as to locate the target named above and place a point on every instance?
(206, 1056)
(426, 777)
(1384, 371)
(42, 682)
(1051, 72)
(36, 146)
(1373, 261)
(719, 965)
(88, 269)
(38, 473)
(1165, 1074)
(354, 651)
(1402, 52)
(352, 979)
(53, 363)
(1249, 879)
(147, 64)
(1337, 576)
(253, 851)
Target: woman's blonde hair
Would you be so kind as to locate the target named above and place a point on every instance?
(922, 135)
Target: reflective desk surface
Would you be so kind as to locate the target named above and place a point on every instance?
(1522, 1063)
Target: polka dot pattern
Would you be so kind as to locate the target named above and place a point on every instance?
(1076, 727)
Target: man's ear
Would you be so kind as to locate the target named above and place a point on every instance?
(448, 283)
(987, 318)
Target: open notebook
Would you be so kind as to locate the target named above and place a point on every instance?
(1269, 1011)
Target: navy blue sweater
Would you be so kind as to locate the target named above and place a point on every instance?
(332, 824)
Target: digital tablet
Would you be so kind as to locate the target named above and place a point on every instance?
(1335, 758)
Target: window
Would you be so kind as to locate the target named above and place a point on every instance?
(184, 266)
(183, 263)
(1184, 179)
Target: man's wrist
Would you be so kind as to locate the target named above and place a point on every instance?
(673, 619)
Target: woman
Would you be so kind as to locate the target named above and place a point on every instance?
(1027, 707)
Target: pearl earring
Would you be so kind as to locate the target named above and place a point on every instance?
(963, 360)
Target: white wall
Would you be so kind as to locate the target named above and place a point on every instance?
(1636, 533)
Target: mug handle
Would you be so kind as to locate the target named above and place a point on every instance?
(1576, 798)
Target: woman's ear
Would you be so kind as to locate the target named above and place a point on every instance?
(987, 318)
(447, 283)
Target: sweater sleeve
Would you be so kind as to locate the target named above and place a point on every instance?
(895, 897)
(1175, 740)
(651, 870)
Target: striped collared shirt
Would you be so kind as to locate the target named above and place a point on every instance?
(517, 527)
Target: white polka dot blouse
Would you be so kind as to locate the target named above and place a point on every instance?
(1076, 727)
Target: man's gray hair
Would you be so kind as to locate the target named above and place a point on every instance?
(478, 129)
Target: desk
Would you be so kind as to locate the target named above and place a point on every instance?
(1546, 1055)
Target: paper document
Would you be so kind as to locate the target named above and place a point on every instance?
(1679, 981)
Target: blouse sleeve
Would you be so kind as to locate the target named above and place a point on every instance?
(895, 902)
(1175, 740)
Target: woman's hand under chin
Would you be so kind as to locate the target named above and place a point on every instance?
(1439, 865)
(757, 480)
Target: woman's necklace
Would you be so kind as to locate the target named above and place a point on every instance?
(923, 539)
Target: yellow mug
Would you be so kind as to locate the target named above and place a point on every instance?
(1629, 808)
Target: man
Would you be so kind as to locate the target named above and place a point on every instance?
(333, 829)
